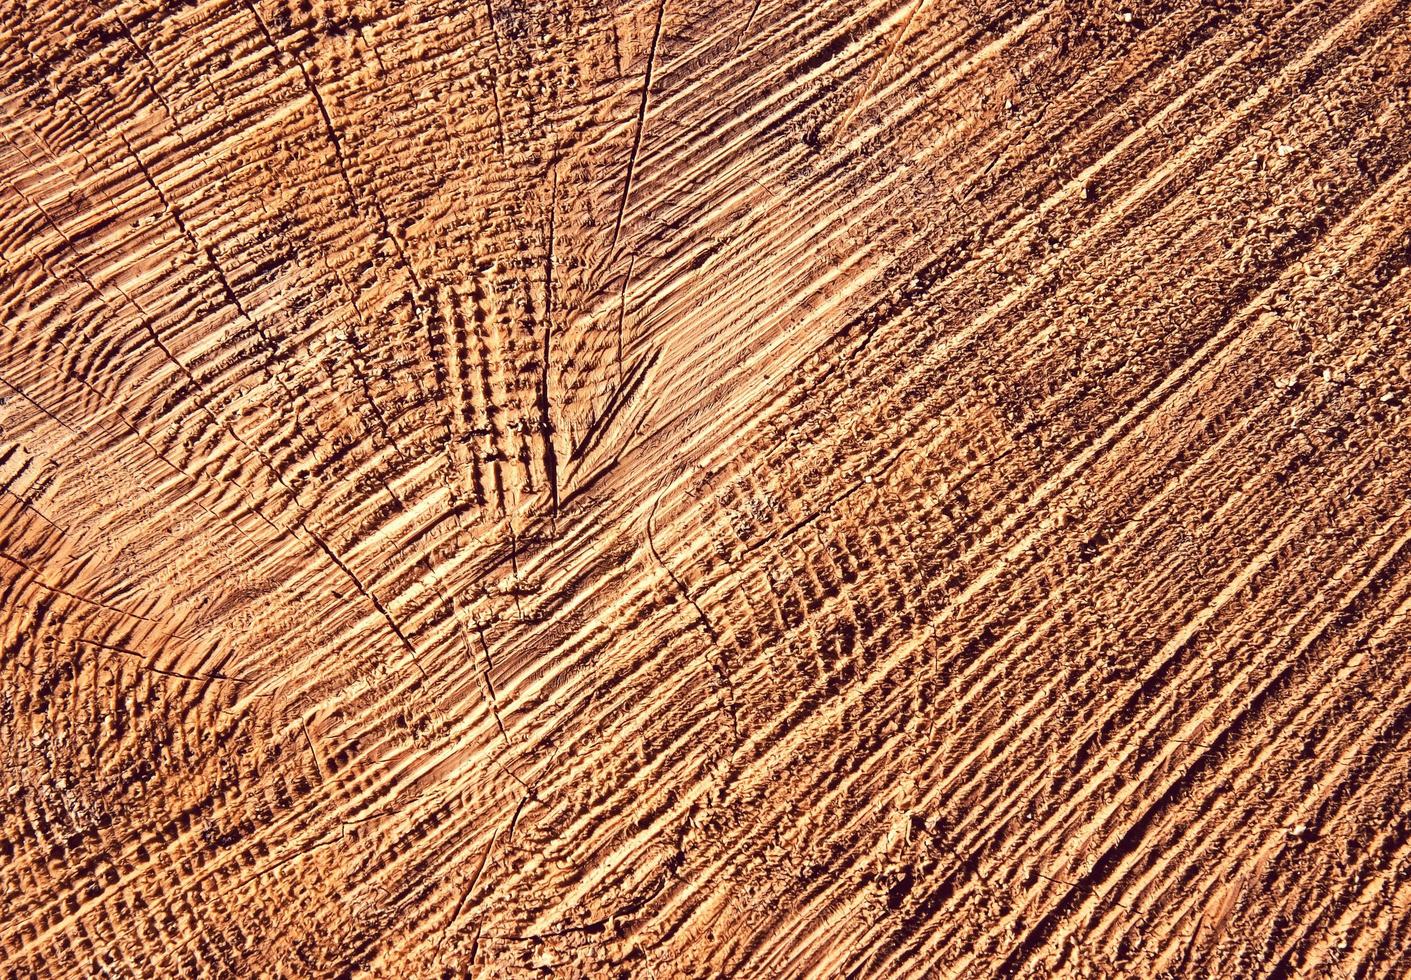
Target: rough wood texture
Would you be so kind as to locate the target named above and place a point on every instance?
(884, 489)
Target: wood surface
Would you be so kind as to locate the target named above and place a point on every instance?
(776, 489)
